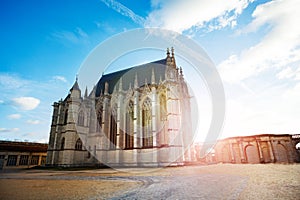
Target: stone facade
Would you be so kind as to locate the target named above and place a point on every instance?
(134, 117)
(266, 148)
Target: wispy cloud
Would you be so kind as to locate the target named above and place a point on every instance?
(9, 130)
(14, 116)
(60, 78)
(123, 10)
(107, 27)
(78, 36)
(289, 73)
(12, 81)
(81, 33)
(279, 48)
(181, 15)
(26, 103)
(30, 135)
(30, 121)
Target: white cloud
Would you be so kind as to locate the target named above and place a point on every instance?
(272, 106)
(285, 73)
(270, 110)
(26, 103)
(43, 140)
(288, 73)
(293, 95)
(8, 130)
(33, 121)
(179, 15)
(1, 101)
(60, 78)
(279, 48)
(14, 116)
(123, 10)
(297, 75)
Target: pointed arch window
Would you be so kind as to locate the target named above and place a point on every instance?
(62, 144)
(129, 126)
(81, 118)
(147, 123)
(113, 127)
(162, 137)
(66, 116)
(163, 107)
(78, 144)
(99, 119)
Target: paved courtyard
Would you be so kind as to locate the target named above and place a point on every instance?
(222, 181)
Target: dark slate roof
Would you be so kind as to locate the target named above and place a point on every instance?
(23, 146)
(144, 72)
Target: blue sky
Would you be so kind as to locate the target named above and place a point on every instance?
(254, 44)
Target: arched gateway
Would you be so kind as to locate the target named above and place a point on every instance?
(265, 148)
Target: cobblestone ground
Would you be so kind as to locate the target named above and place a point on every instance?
(195, 182)
(188, 187)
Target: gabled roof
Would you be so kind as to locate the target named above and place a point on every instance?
(143, 72)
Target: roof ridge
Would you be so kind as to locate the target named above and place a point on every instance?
(129, 68)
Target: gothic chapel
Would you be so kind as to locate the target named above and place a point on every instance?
(138, 117)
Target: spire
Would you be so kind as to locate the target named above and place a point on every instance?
(146, 88)
(173, 57)
(120, 85)
(75, 90)
(169, 59)
(168, 53)
(93, 92)
(153, 77)
(136, 85)
(75, 86)
(85, 92)
(106, 88)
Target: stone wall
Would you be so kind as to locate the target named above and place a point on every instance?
(266, 148)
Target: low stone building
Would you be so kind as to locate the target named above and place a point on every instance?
(22, 154)
(266, 148)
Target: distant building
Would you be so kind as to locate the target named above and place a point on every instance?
(22, 154)
(265, 148)
(139, 116)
